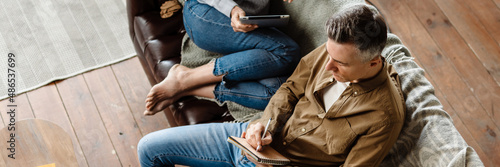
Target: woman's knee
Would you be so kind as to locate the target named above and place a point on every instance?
(294, 50)
(287, 50)
(289, 57)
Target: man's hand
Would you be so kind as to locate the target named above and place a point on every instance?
(236, 13)
(253, 135)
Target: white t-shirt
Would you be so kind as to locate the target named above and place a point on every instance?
(332, 93)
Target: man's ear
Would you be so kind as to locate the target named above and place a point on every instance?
(375, 61)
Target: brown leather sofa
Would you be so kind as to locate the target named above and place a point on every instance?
(157, 42)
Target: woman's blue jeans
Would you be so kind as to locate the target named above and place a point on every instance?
(193, 145)
(254, 65)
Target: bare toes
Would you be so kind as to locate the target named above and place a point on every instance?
(162, 105)
(148, 113)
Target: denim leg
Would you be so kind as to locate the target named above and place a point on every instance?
(259, 54)
(255, 64)
(194, 145)
(253, 94)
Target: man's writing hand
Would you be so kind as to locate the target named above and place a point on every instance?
(253, 135)
(236, 13)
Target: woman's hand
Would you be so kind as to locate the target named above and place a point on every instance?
(236, 13)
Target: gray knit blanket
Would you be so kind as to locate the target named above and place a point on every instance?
(428, 137)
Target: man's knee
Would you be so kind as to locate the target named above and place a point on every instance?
(143, 147)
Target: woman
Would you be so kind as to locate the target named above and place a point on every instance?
(256, 60)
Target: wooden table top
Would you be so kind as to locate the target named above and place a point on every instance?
(34, 143)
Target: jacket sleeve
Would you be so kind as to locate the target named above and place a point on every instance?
(283, 102)
(371, 148)
(223, 6)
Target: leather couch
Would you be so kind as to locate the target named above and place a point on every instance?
(157, 42)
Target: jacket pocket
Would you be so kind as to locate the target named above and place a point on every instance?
(340, 137)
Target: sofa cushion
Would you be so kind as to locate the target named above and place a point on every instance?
(193, 56)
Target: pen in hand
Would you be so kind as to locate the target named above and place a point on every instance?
(264, 134)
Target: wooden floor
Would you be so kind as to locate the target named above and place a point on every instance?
(101, 110)
(456, 42)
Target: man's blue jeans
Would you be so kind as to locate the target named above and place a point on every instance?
(193, 145)
(254, 65)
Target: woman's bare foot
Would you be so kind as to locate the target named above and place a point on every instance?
(163, 93)
(181, 81)
(160, 106)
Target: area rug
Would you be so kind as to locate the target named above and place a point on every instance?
(56, 39)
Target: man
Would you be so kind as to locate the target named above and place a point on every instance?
(342, 106)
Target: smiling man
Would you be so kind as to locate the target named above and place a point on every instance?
(342, 106)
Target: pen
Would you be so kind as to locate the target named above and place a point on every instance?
(264, 134)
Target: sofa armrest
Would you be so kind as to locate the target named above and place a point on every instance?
(138, 7)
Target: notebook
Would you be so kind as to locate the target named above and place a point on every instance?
(267, 156)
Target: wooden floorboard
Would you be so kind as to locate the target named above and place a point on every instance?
(484, 48)
(135, 86)
(48, 105)
(87, 123)
(115, 114)
(497, 2)
(486, 12)
(483, 88)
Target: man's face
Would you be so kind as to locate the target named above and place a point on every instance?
(344, 62)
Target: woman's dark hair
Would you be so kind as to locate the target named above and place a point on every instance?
(360, 25)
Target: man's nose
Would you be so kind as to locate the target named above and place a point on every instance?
(331, 66)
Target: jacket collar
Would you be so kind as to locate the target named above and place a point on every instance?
(372, 83)
(360, 87)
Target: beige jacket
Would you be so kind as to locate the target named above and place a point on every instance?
(358, 130)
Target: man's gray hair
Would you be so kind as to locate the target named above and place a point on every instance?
(360, 25)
